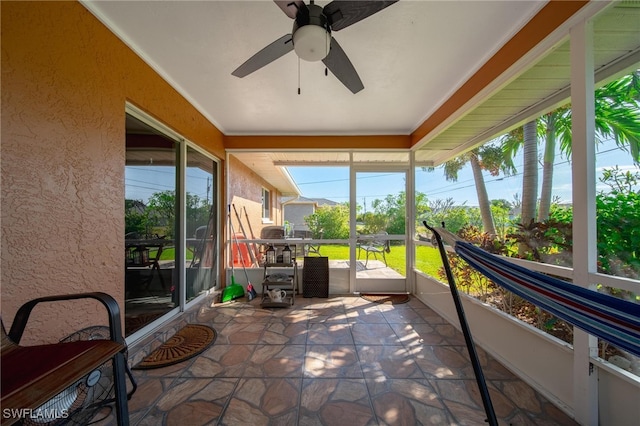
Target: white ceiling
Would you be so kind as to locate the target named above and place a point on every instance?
(412, 57)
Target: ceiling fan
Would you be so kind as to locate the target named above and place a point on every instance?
(311, 37)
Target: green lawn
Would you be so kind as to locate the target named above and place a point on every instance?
(428, 258)
(170, 254)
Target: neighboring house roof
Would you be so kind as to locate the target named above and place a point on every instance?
(304, 200)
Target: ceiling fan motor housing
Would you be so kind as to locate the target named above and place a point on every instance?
(311, 34)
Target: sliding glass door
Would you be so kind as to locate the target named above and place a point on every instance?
(171, 223)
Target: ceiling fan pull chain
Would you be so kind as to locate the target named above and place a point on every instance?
(298, 76)
(326, 49)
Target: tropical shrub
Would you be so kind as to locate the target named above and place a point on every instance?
(136, 220)
(455, 217)
(474, 283)
(618, 222)
(157, 217)
(548, 242)
(332, 222)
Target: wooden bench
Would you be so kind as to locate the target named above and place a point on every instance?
(371, 244)
(33, 375)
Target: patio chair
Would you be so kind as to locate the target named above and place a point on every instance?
(309, 248)
(314, 248)
(372, 244)
(34, 375)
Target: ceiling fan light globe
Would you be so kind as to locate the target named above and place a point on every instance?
(311, 43)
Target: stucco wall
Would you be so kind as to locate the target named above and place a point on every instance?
(65, 81)
(245, 190)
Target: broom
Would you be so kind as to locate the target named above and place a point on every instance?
(233, 291)
(251, 292)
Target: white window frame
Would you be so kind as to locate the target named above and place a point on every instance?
(266, 205)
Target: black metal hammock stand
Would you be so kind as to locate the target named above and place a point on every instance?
(475, 362)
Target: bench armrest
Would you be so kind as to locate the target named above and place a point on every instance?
(113, 310)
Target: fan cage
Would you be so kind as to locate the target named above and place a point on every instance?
(79, 403)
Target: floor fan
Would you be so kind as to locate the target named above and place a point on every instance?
(78, 404)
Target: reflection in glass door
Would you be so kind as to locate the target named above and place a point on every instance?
(201, 221)
(381, 259)
(150, 225)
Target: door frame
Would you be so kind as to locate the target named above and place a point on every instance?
(381, 285)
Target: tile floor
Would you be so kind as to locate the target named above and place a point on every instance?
(336, 361)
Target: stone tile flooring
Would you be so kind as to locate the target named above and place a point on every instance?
(336, 361)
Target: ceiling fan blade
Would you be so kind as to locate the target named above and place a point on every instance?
(342, 13)
(340, 65)
(278, 48)
(290, 7)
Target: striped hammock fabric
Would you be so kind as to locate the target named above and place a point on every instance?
(614, 320)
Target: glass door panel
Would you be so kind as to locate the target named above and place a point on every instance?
(150, 225)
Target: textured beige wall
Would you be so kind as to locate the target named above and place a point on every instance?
(245, 190)
(65, 82)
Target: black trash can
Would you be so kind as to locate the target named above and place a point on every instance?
(315, 277)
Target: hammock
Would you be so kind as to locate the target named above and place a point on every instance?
(614, 320)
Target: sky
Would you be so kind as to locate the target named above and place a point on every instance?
(141, 181)
(333, 182)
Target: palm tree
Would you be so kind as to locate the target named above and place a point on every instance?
(618, 113)
(617, 116)
(530, 172)
(554, 127)
(486, 157)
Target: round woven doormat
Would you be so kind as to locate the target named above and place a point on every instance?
(188, 342)
(390, 299)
